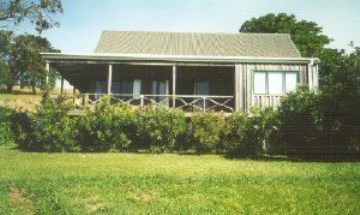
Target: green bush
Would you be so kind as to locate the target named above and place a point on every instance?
(252, 134)
(300, 117)
(106, 128)
(323, 122)
(21, 127)
(52, 129)
(206, 131)
(159, 128)
(6, 133)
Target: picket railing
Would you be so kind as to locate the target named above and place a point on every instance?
(264, 101)
(188, 103)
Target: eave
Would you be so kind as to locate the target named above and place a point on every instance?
(118, 58)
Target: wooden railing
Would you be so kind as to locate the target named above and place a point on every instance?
(264, 101)
(188, 103)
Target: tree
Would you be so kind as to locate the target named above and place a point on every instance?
(38, 12)
(21, 61)
(307, 36)
(28, 61)
(331, 64)
(7, 75)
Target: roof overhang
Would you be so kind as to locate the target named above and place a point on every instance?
(118, 58)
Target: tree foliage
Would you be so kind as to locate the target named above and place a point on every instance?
(38, 12)
(308, 36)
(21, 61)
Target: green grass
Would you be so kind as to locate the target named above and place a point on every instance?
(121, 183)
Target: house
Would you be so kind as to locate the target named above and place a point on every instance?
(218, 71)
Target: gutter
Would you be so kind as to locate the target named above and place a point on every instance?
(54, 57)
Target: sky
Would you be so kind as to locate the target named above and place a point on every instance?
(83, 20)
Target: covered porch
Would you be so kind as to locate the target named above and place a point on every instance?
(190, 83)
(187, 86)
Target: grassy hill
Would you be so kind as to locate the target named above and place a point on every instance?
(23, 98)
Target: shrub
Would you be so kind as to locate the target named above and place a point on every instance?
(300, 119)
(206, 131)
(21, 127)
(52, 129)
(159, 128)
(251, 134)
(105, 128)
(6, 133)
(322, 122)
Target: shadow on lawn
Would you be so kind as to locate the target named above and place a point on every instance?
(269, 158)
(302, 158)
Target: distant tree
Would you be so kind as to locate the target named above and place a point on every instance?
(28, 61)
(307, 36)
(7, 75)
(344, 78)
(38, 12)
(21, 61)
(332, 62)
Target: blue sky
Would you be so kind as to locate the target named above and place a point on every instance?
(83, 20)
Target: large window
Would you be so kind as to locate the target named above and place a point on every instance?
(273, 82)
(124, 89)
(202, 88)
(160, 87)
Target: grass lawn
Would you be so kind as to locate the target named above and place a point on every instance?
(125, 183)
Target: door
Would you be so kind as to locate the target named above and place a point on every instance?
(160, 88)
(100, 89)
(126, 89)
(202, 88)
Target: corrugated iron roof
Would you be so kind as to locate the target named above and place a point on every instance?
(197, 44)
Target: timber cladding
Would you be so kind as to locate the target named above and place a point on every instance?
(244, 80)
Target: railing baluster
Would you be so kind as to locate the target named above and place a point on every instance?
(204, 104)
(141, 100)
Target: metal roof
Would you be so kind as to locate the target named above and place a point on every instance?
(197, 44)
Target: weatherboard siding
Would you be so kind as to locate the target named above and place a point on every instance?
(244, 95)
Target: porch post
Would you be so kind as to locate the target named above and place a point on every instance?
(173, 85)
(109, 79)
(47, 68)
(238, 90)
(62, 85)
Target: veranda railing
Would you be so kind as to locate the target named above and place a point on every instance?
(188, 103)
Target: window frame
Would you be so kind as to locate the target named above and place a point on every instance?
(283, 74)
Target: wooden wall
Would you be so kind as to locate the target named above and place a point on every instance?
(244, 80)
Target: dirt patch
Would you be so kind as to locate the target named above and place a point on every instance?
(147, 197)
(18, 199)
(93, 204)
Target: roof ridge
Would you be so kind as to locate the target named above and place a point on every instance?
(194, 32)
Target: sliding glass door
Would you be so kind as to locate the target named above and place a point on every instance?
(202, 88)
(160, 88)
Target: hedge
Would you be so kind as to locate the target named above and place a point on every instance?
(302, 125)
(6, 134)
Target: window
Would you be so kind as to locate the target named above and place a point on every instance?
(260, 82)
(136, 88)
(160, 87)
(100, 89)
(275, 82)
(291, 81)
(123, 89)
(202, 88)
